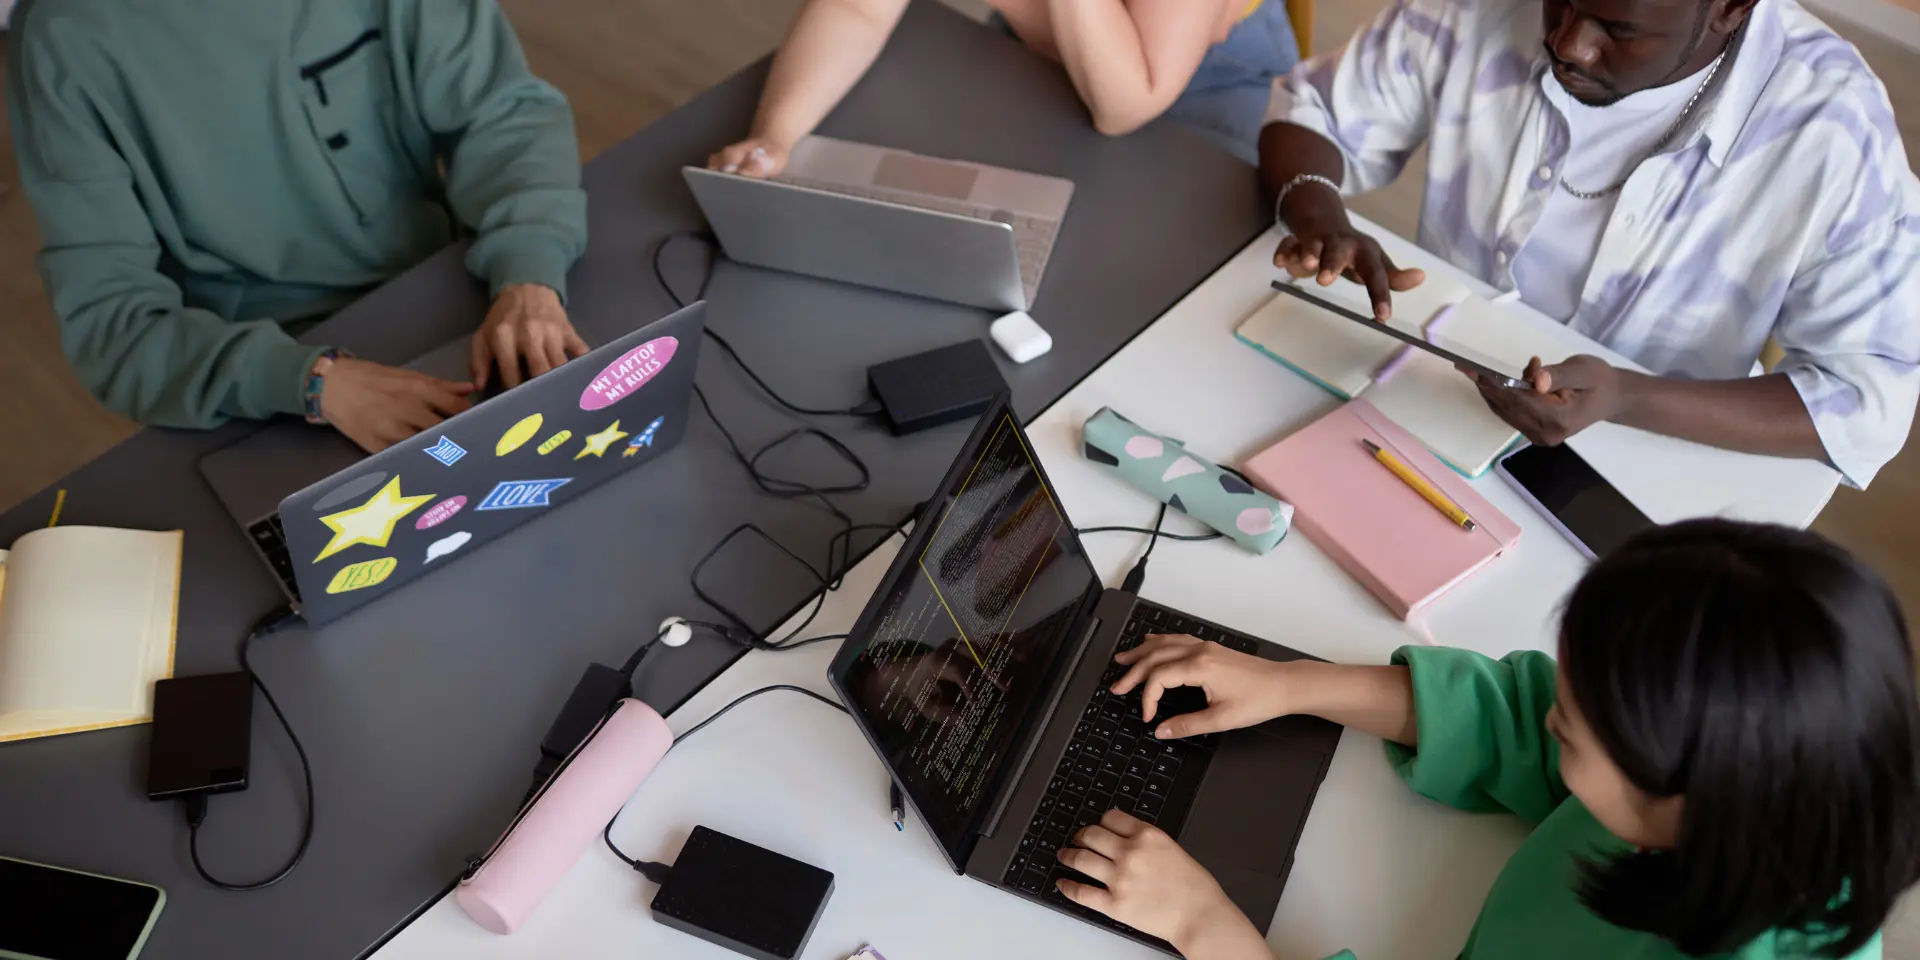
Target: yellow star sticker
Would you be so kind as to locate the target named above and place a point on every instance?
(371, 522)
(599, 442)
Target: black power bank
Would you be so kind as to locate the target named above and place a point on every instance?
(202, 735)
(936, 387)
(743, 897)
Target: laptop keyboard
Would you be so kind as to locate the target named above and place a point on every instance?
(1113, 762)
(271, 538)
(1032, 236)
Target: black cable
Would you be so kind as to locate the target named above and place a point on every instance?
(650, 868)
(868, 409)
(196, 805)
(1188, 537)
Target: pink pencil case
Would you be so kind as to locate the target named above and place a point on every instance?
(550, 833)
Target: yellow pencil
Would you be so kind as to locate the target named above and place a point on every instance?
(1427, 491)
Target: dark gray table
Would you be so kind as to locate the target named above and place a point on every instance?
(422, 713)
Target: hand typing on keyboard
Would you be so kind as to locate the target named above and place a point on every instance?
(1241, 689)
(1155, 887)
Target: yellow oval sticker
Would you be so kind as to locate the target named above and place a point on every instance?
(517, 435)
(366, 573)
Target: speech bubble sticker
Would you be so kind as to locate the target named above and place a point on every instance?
(517, 435)
(521, 494)
(372, 522)
(359, 576)
(597, 444)
(629, 373)
(645, 439)
(439, 513)
(553, 443)
(447, 544)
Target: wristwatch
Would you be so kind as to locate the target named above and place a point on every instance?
(317, 382)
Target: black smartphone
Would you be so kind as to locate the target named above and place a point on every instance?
(202, 735)
(52, 913)
(1581, 504)
(1439, 346)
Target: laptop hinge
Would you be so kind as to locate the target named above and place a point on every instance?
(1007, 790)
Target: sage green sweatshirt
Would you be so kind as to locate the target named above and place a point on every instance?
(209, 174)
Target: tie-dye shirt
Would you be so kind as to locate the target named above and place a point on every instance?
(1784, 208)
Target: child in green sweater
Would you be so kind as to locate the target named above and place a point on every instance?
(1725, 762)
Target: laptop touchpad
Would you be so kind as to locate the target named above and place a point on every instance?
(1252, 802)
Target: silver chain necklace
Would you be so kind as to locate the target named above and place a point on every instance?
(1713, 69)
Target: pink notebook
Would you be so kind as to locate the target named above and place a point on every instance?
(1376, 527)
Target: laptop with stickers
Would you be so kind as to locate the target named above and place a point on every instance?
(341, 529)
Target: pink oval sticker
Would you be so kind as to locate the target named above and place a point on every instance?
(440, 513)
(629, 373)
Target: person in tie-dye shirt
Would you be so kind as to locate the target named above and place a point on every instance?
(1682, 181)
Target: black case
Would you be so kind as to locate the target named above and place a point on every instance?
(744, 897)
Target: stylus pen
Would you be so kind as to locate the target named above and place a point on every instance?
(899, 805)
(1427, 491)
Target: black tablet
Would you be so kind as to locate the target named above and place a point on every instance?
(1438, 346)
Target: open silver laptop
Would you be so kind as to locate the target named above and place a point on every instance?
(945, 229)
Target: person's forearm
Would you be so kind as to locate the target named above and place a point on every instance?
(1376, 700)
(1289, 150)
(1231, 937)
(1763, 415)
(1124, 82)
(827, 51)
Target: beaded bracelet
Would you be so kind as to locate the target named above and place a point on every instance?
(317, 381)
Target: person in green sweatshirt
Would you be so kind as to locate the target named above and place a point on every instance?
(212, 178)
(1725, 762)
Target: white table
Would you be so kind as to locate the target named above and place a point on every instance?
(1378, 869)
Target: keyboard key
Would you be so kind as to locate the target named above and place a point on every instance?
(1167, 765)
(1104, 784)
(1158, 786)
(1080, 732)
(1062, 821)
(1114, 764)
(1019, 863)
(1124, 804)
(1046, 805)
(1130, 788)
(1027, 843)
(1077, 785)
(1085, 766)
(1124, 745)
(1097, 747)
(1105, 728)
(1034, 882)
(1149, 809)
(1055, 785)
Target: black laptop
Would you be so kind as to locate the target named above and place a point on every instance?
(980, 673)
(341, 529)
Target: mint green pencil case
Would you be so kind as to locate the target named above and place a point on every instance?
(1170, 473)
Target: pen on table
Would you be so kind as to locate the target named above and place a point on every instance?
(1427, 491)
(899, 805)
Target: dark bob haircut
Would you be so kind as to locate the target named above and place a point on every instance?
(1764, 673)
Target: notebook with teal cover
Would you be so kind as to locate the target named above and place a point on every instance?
(1425, 395)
